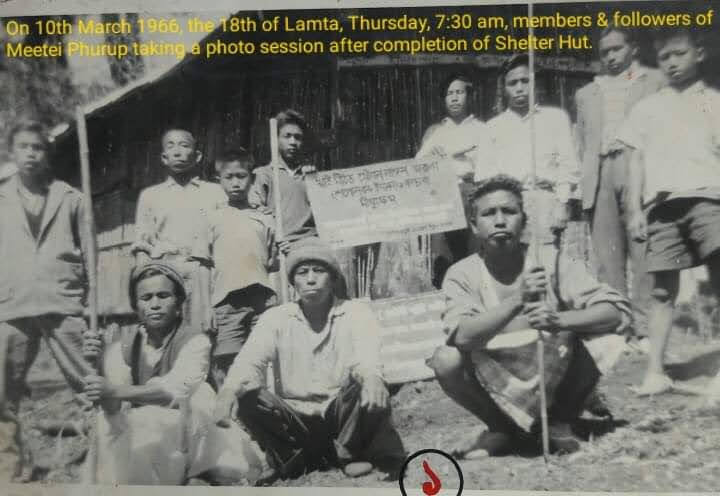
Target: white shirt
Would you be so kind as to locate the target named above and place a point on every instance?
(678, 135)
(310, 367)
(615, 93)
(241, 244)
(189, 370)
(458, 140)
(511, 151)
(173, 218)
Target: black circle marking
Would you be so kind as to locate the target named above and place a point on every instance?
(437, 452)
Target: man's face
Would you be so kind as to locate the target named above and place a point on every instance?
(235, 179)
(158, 306)
(29, 152)
(679, 59)
(499, 219)
(456, 99)
(616, 54)
(290, 143)
(178, 151)
(517, 88)
(313, 282)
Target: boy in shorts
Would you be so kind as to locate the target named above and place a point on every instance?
(241, 246)
(674, 192)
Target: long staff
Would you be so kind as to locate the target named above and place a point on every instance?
(279, 234)
(535, 241)
(88, 224)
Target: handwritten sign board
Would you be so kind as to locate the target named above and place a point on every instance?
(386, 201)
(411, 330)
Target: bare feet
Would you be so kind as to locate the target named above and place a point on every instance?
(653, 384)
(357, 469)
(486, 444)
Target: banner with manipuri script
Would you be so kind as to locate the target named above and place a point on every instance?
(386, 201)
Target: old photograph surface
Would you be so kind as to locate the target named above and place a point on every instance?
(415, 248)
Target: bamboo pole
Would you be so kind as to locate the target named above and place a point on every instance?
(92, 260)
(279, 234)
(535, 242)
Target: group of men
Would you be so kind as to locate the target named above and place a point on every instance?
(189, 381)
(643, 158)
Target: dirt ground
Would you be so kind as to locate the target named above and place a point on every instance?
(665, 443)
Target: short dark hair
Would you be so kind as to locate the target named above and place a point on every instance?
(628, 33)
(180, 129)
(660, 36)
(234, 154)
(500, 182)
(28, 126)
(456, 76)
(290, 116)
(516, 60)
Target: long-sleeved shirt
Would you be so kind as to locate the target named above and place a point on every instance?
(511, 151)
(461, 142)
(173, 219)
(297, 217)
(310, 367)
(242, 247)
(677, 134)
(47, 273)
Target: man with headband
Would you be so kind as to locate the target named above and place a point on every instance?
(159, 365)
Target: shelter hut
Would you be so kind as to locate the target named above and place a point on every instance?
(365, 109)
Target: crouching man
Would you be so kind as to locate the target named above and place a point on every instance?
(331, 405)
(498, 302)
(157, 425)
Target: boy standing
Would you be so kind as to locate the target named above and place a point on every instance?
(511, 152)
(602, 106)
(297, 215)
(172, 222)
(241, 245)
(43, 248)
(674, 197)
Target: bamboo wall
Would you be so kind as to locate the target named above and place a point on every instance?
(363, 110)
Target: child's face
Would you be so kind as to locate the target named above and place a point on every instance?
(456, 99)
(517, 87)
(616, 54)
(679, 59)
(235, 179)
(290, 143)
(178, 151)
(29, 152)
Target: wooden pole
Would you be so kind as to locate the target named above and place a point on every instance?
(535, 242)
(92, 262)
(279, 234)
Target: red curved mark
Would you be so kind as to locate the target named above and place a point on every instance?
(432, 487)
